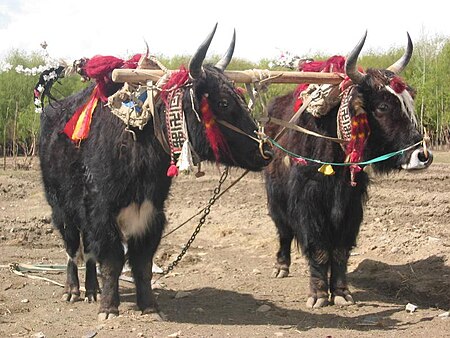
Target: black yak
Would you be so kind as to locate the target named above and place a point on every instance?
(324, 212)
(110, 189)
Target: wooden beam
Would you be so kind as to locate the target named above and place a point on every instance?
(239, 76)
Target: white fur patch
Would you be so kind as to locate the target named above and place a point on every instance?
(407, 103)
(134, 219)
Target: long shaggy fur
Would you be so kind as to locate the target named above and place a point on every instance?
(324, 213)
(88, 186)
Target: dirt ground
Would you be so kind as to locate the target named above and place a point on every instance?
(222, 287)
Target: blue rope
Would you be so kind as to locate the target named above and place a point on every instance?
(346, 164)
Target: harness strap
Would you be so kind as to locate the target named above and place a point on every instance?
(261, 139)
(236, 129)
(157, 128)
(292, 126)
(293, 118)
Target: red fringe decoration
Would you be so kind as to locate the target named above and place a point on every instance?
(177, 80)
(213, 133)
(355, 148)
(85, 112)
(360, 133)
(100, 67)
(397, 84)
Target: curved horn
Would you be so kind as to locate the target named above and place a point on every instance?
(195, 65)
(398, 66)
(225, 61)
(350, 64)
(148, 49)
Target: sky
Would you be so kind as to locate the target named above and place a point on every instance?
(79, 28)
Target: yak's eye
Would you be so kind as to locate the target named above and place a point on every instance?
(223, 103)
(383, 107)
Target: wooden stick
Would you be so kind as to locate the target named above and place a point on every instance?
(240, 76)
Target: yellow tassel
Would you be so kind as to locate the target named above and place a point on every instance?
(326, 169)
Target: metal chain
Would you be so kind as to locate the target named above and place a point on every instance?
(202, 220)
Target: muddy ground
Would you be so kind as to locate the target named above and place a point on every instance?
(222, 287)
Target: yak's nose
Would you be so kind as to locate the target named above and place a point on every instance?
(419, 160)
(268, 154)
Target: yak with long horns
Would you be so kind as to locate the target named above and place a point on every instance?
(111, 188)
(324, 212)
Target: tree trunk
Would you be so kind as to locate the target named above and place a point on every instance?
(14, 141)
(4, 138)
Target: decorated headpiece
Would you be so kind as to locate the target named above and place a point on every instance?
(353, 126)
(98, 68)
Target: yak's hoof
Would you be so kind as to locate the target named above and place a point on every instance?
(280, 272)
(91, 296)
(315, 303)
(107, 315)
(343, 300)
(153, 316)
(71, 297)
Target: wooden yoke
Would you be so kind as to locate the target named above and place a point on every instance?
(239, 76)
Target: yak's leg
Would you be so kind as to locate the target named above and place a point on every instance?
(340, 294)
(281, 268)
(318, 284)
(111, 259)
(140, 255)
(91, 281)
(285, 236)
(71, 237)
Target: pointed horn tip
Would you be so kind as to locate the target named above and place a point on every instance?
(359, 45)
(195, 64)
(401, 63)
(363, 39)
(351, 61)
(226, 59)
(147, 48)
(410, 43)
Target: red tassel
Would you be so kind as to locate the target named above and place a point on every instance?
(356, 168)
(360, 133)
(172, 171)
(299, 160)
(213, 133)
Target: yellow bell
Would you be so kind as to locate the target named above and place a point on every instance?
(326, 169)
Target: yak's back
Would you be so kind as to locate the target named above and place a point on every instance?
(282, 108)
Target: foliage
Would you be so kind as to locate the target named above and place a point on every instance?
(17, 112)
(428, 72)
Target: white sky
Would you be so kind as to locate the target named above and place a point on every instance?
(81, 28)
